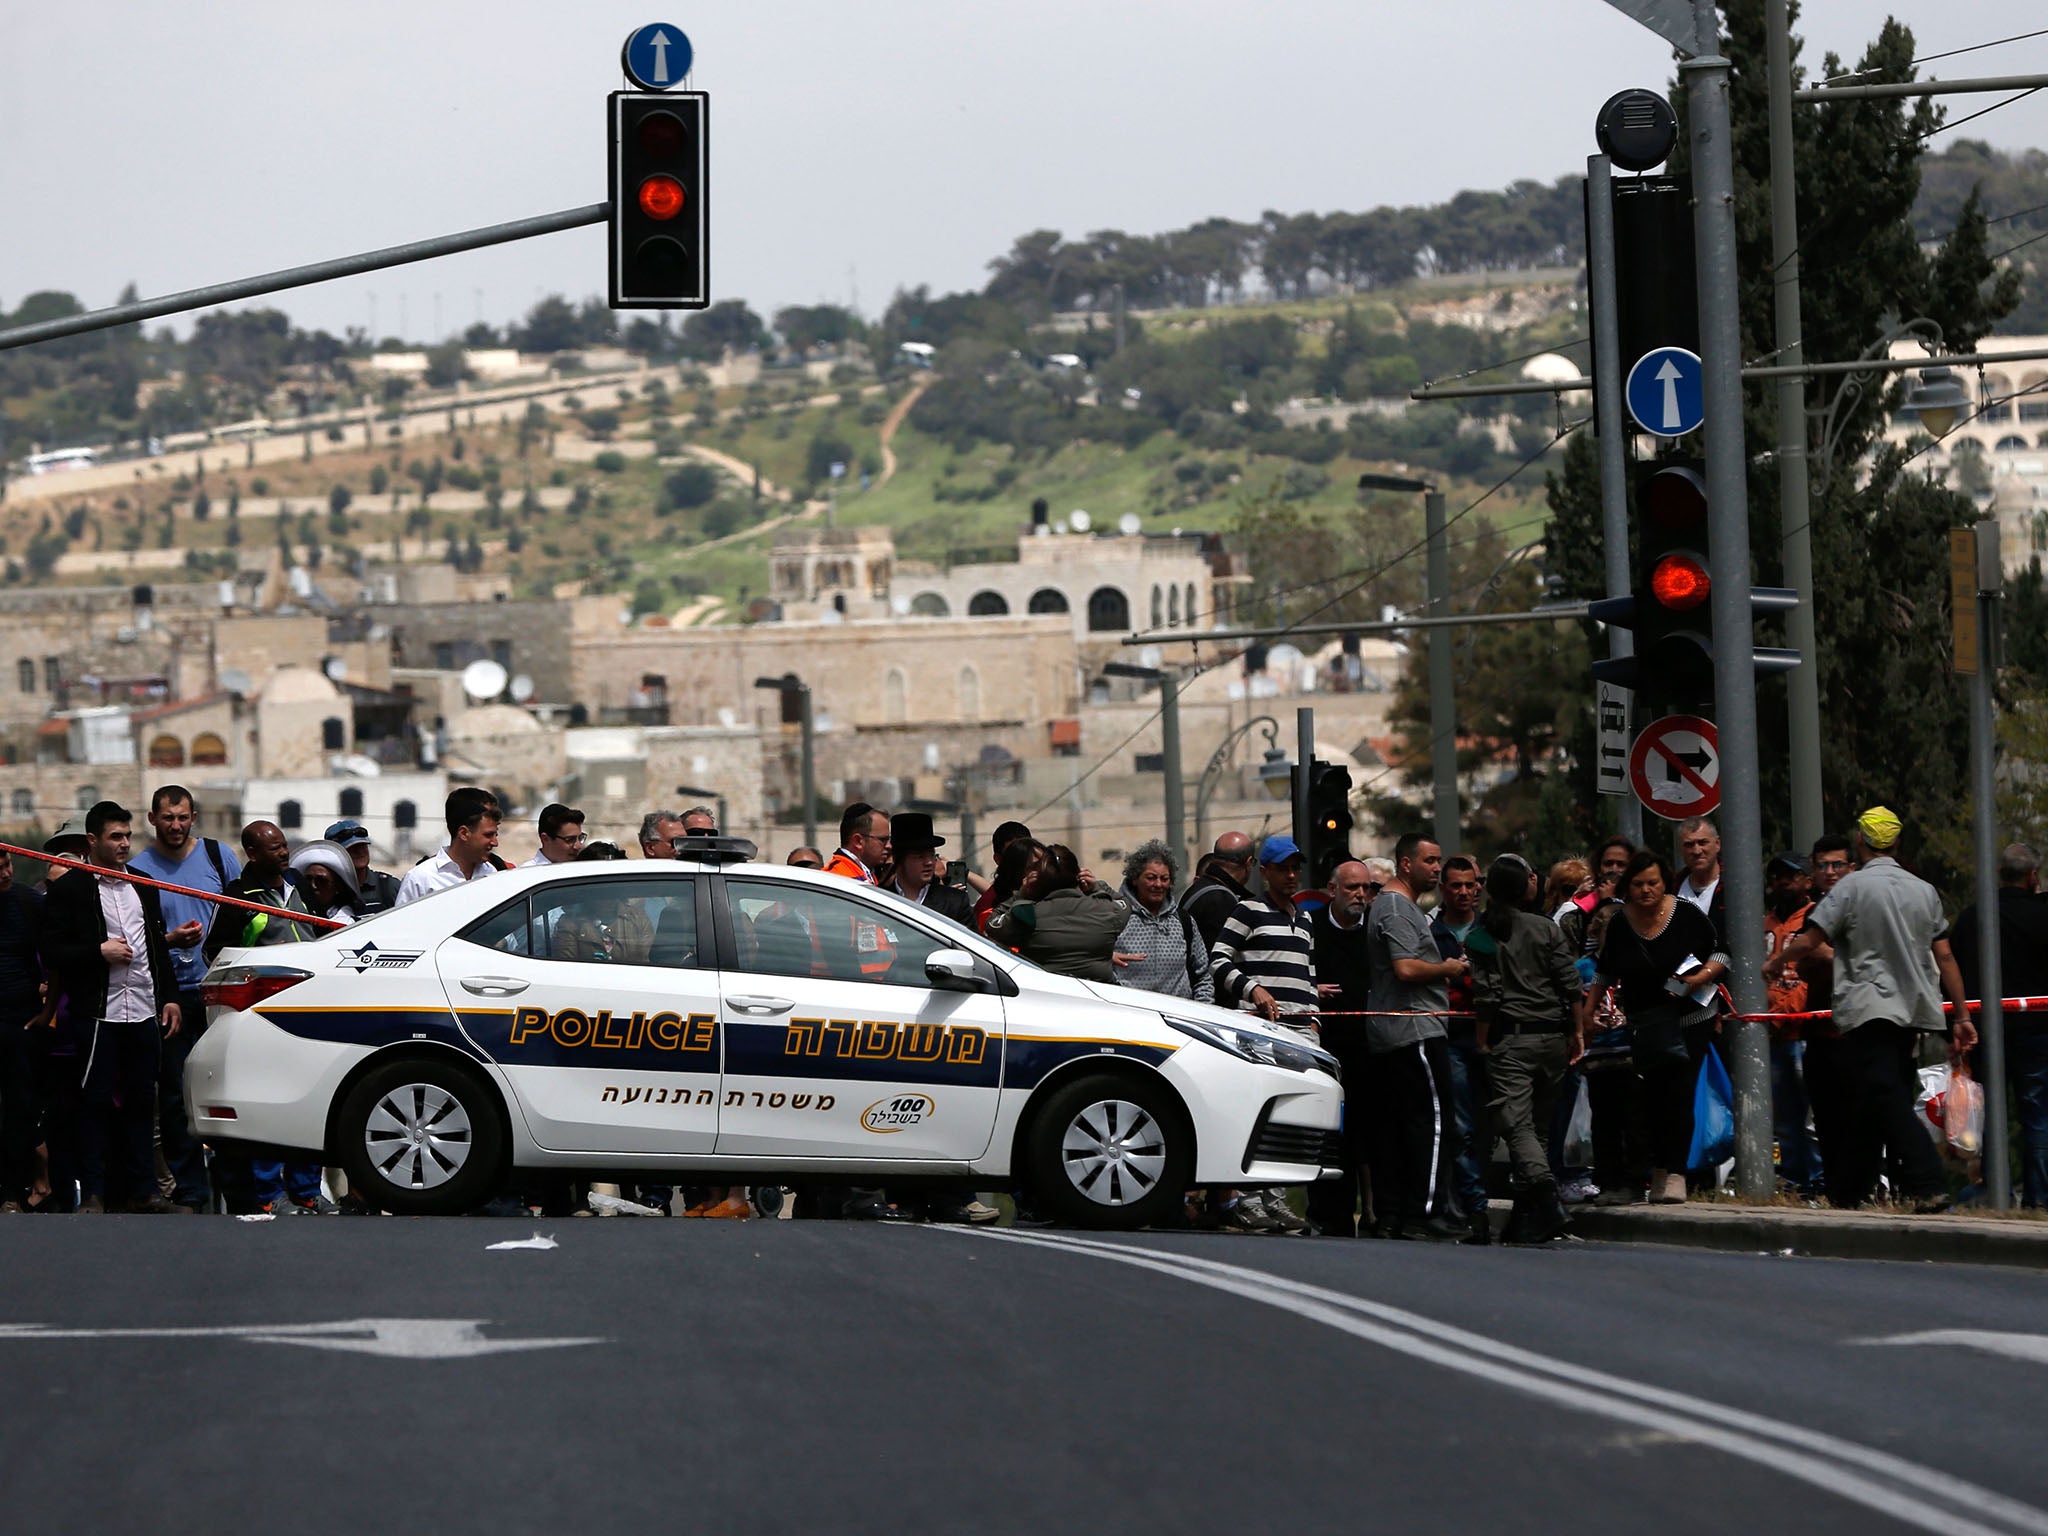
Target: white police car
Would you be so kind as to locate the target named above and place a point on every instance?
(743, 1020)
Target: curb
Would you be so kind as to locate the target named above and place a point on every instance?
(1813, 1234)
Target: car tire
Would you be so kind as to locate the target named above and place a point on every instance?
(421, 1137)
(1109, 1151)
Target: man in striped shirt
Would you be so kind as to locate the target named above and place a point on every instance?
(1264, 962)
(1264, 957)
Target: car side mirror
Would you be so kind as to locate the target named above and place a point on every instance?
(954, 970)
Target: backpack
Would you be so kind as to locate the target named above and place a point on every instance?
(220, 868)
(1187, 933)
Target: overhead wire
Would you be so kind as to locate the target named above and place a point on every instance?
(1929, 58)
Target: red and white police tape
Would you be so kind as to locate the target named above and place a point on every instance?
(177, 890)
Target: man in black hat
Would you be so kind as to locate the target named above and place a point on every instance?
(916, 851)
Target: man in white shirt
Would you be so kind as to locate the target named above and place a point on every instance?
(561, 836)
(472, 816)
(104, 937)
(1699, 845)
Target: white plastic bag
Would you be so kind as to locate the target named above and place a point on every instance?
(1933, 1086)
(1578, 1132)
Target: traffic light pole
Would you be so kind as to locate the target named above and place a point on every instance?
(1443, 696)
(1795, 538)
(1990, 978)
(1706, 77)
(1169, 762)
(1609, 430)
(807, 775)
(1304, 780)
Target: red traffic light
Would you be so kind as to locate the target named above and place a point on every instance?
(1680, 582)
(661, 197)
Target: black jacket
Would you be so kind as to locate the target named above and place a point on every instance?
(379, 891)
(952, 901)
(74, 928)
(2022, 952)
(1210, 901)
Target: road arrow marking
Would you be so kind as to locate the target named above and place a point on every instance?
(397, 1338)
(2030, 1347)
(659, 42)
(1669, 376)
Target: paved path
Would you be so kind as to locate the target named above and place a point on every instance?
(348, 1375)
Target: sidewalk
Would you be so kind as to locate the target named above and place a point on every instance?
(1821, 1233)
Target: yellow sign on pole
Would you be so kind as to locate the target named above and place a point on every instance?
(1962, 597)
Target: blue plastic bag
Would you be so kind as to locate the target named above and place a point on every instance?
(1713, 1114)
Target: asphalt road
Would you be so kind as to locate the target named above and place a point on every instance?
(366, 1375)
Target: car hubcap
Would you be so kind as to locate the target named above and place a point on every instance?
(418, 1136)
(1114, 1152)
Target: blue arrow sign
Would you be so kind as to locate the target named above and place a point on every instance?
(1665, 393)
(657, 56)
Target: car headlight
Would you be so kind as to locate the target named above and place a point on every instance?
(1256, 1045)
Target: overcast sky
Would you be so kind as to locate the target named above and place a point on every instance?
(856, 147)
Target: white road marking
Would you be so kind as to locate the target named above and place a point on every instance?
(397, 1338)
(2030, 1347)
(1914, 1495)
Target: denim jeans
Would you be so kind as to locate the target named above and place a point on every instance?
(1469, 1120)
(2026, 1056)
(1798, 1153)
(275, 1180)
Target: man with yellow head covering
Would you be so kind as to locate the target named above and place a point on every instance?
(1892, 968)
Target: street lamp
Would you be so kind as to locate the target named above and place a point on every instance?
(796, 703)
(1443, 698)
(1169, 745)
(1937, 397)
(1276, 774)
(697, 792)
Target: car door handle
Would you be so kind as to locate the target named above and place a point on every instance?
(493, 986)
(759, 1004)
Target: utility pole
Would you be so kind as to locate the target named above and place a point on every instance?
(1443, 696)
(1706, 75)
(1609, 431)
(807, 775)
(1304, 774)
(1802, 685)
(1977, 578)
(1169, 749)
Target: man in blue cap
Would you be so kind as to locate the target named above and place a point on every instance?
(1264, 962)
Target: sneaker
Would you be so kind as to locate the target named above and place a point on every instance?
(284, 1206)
(1618, 1197)
(1247, 1213)
(1669, 1191)
(10, 1208)
(1579, 1191)
(1281, 1214)
(157, 1205)
(730, 1210)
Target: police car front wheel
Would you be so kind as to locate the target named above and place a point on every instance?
(421, 1138)
(1111, 1151)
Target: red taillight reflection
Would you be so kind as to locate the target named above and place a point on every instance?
(242, 987)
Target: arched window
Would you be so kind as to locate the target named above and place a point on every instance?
(929, 605)
(333, 735)
(405, 815)
(2012, 443)
(970, 694)
(25, 674)
(167, 752)
(1108, 608)
(895, 696)
(1187, 608)
(24, 802)
(351, 802)
(1173, 607)
(208, 750)
(290, 816)
(987, 605)
(88, 796)
(1158, 609)
(1049, 600)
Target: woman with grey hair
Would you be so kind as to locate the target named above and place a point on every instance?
(1159, 949)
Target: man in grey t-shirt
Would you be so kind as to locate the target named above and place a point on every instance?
(1892, 964)
(1414, 1141)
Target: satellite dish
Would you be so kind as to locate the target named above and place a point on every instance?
(359, 766)
(1059, 525)
(1129, 524)
(522, 688)
(483, 679)
(235, 680)
(335, 668)
(899, 606)
(1079, 520)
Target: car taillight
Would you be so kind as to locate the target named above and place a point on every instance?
(242, 987)
(216, 1112)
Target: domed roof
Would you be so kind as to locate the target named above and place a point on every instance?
(489, 721)
(1551, 368)
(295, 685)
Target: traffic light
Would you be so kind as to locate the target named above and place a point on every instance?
(1329, 815)
(659, 221)
(1670, 607)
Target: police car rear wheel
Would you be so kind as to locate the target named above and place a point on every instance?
(1110, 1151)
(422, 1138)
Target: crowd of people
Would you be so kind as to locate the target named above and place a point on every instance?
(1561, 1015)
